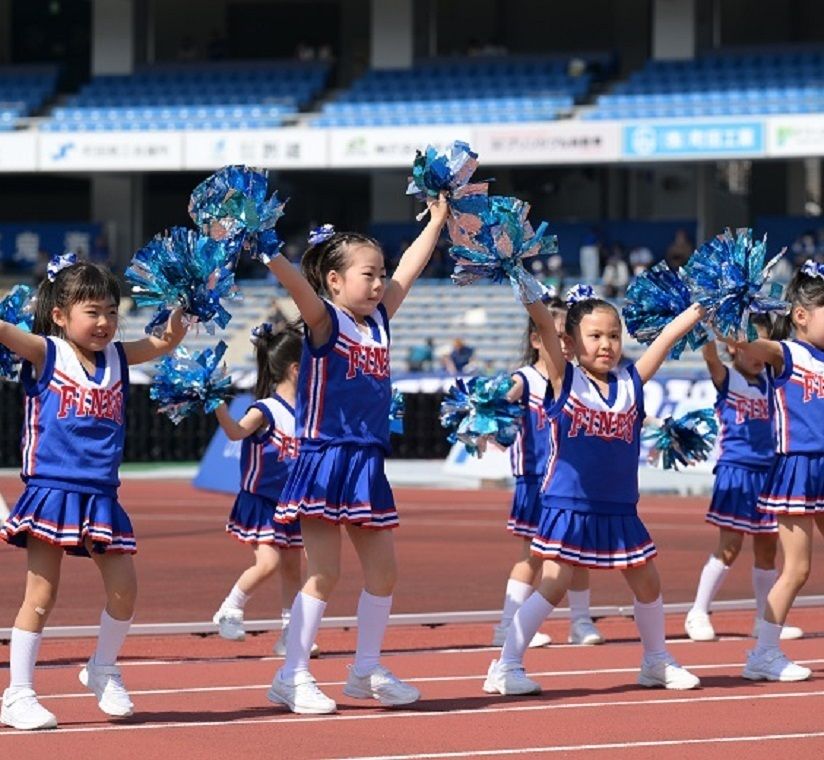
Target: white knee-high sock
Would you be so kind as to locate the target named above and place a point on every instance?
(307, 612)
(236, 599)
(769, 636)
(517, 592)
(762, 582)
(373, 615)
(525, 624)
(110, 639)
(22, 658)
(649, 619)
(712, 576)
(578, 604)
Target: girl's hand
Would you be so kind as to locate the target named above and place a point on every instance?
(438, 209)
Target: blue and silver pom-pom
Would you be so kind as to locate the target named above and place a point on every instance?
(320, 234)
(231, 207)
(397, 409)
(187, 383)
(477, 410)
(653, 300)
(16, 308)
(187, 270)
(727, 276)
(682, 441)
(497, 250)
(434, 173)
(58, 263)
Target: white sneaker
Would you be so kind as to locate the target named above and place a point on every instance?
(773, 665)
(21, 710)
(380, 684)
(788, 632)
(279, 647)
(301, 695)
(538, 640)
(107, 684)
(507, 678)
(667, 673)
(583, 631)
(230, 623)
(698, 626)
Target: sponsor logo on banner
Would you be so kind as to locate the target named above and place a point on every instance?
(269, 148)
(389, 146)
(18, 151)
(548, 143)
(795, 136)
(110, 151)
(693, 139)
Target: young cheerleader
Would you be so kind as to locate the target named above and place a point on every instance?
(268, 452)
(342, 418)
(794, 489)
(529, 456)
(747, 446)
(590, 490)
(76, 381)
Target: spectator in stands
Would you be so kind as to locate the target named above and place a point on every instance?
(420, 356)
(457, 360)
(640, 259)
(680, 250)
(555, 275)
(589, 258)
(615, 276)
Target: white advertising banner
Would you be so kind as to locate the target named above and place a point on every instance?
(110, 151)
(795, 136)
(18, 151)
(290, 148)
(548, 143)
(374, 147)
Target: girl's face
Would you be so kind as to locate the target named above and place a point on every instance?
(597, 341)
(88, 325)
(359, 288)
(809, 325)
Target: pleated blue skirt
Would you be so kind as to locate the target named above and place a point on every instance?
(252, 521)
(734, 498)
(795, 485)
(526, 507)
(67, 519)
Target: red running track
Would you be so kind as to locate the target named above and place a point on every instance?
(205, 697)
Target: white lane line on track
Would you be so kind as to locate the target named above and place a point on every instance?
(590, 747)
(411, 714)
(422, 679)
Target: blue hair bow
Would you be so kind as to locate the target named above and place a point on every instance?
(321, 234)
(579, 293)
(265, 328)
(812, 269)
(59, 263)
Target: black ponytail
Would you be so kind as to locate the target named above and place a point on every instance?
(275, 353)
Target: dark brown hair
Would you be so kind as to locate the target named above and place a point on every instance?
(330, 255)
(275, 352)
(803, 290)
(530, 356)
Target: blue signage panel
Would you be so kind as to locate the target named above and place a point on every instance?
(220, 466)
(693, 138)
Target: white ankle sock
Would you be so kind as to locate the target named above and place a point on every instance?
(373, 615)
(712, 576)
(23, 657)
(517, 592)
(307, 612)
(524, 626)
(236, 599)
(649, 619)
(762, 582)
(769, 636)
(578, 604)
(110, 639)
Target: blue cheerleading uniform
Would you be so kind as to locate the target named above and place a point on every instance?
(528, 455)
(73, 435)
(590, 487)
(795, 482)
(266, 458)
(342, 418)
(746, 451)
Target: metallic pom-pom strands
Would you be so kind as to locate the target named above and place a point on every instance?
(183, 269)
(477, 410)
(16, 308)
(231, 206)
(726, 275)
(653, 300)
(186, 383)
(397, 409)
(682, 441)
